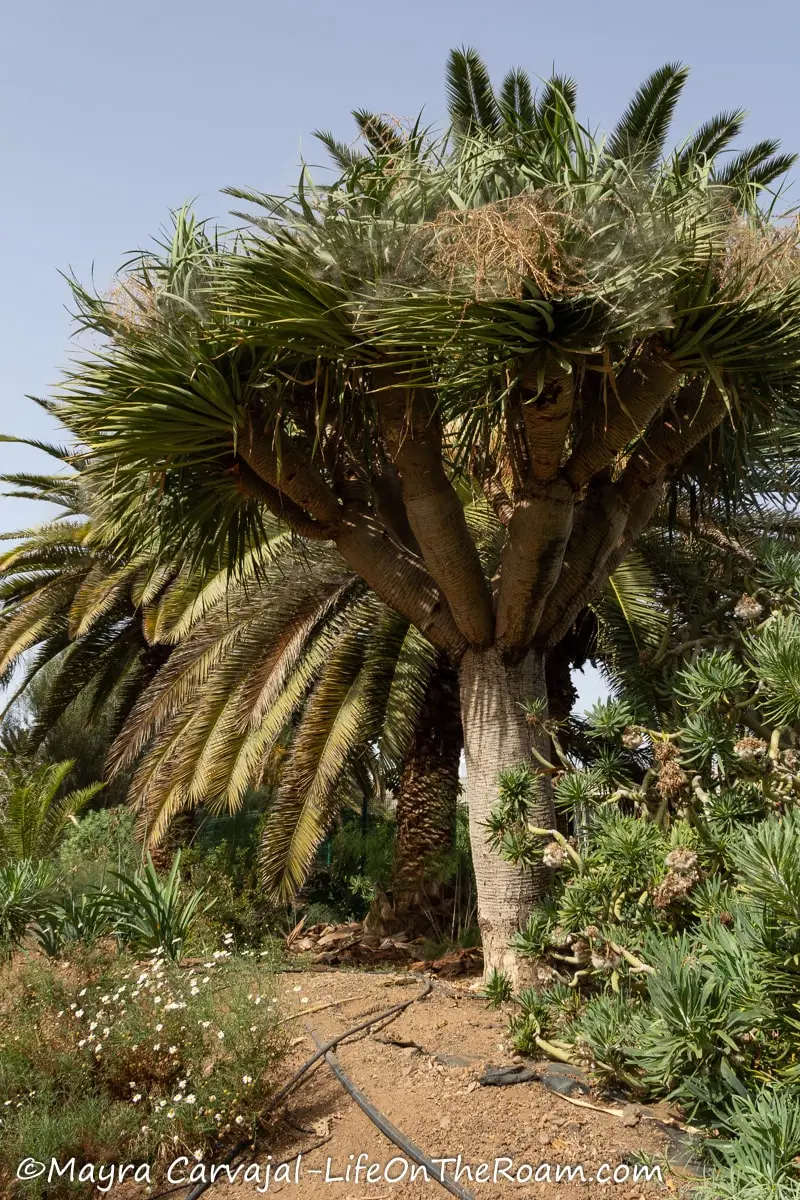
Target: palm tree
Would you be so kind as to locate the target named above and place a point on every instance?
(71, 621)
(525, 313)
(34, 810)
(95, 636)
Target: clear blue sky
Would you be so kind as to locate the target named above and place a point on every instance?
(113, 113)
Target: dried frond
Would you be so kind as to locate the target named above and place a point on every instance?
(498, 247)
(760, 255)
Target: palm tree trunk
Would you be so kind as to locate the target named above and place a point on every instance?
(428, 791)
(496, 736)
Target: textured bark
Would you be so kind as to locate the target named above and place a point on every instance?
(497, 736)
(293, 472)
(608, 524)
(398, 577)
(546, 421)
(428, 791)
(639, 392)
(698, 410)
(599, 524)
(435, 511)
(495, 492)
(532, 559)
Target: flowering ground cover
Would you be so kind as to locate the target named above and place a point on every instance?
(115, 1059)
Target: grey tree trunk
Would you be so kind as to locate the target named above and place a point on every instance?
(497, 735)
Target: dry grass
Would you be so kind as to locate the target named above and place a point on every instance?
(494, 249)
(133, 303)
(762, 255)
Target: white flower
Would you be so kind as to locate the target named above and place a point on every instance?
(159, 1027)
(82, 992)
(171, 1115)
(82, 1043)
(190, 1099)
(304, 1000)
(157, 1045)
(106, 1031)
(240, 1120)
(137, 1097)
(297, 988)
(79, 1013)
(252, 1028)
(198, 1154)
(182, 1083)
(173, 1050)
(247, 1079)
(177, 1097)
(205, 1024)
(92, 1026)
(220, 1035)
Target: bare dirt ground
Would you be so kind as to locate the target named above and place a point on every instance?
(433, 1097)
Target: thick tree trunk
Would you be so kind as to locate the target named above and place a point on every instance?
(496, 736)
(428, 791)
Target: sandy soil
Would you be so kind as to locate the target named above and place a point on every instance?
(438, 1105)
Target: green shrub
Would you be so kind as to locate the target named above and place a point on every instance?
(129, 1062)
(101, 842)
(228, 876)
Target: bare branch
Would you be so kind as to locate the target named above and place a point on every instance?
(292, 472)
(600, 543)
(413, 436)
(599, 524)
(631, 401)
(698, 410)
(547, 418)
(398, 577)
(389, 505)
(492, 486)
(532, 560)
(281, 506)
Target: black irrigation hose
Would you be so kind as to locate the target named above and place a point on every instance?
(389, 1130)
(280, 1095)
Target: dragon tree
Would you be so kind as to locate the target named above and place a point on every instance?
(519, 327)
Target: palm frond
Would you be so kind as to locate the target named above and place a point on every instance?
(640, 135)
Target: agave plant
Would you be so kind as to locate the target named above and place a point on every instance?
(151, 914)
(26, 895)
(76, 918)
